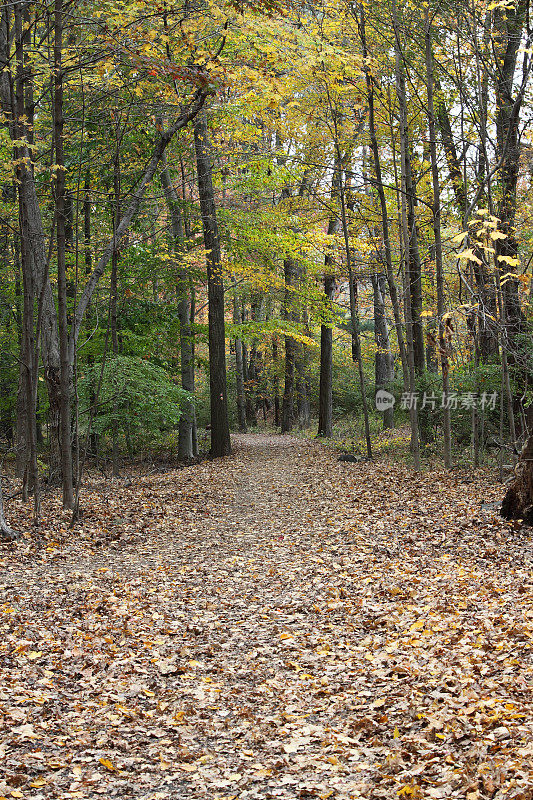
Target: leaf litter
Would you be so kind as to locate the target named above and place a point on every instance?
(271, 625)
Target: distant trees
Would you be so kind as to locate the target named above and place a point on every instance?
(349, 182)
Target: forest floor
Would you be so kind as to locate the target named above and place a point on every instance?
(271, 625)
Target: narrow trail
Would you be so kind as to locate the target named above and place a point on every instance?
(271, 625)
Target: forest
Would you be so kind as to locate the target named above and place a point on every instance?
(265, 415)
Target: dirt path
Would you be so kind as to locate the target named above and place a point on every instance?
(271, 625)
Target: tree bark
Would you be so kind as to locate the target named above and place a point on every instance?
(393, 291)
(406, 234)
(220, 435)
(64, 370)
(290, 272)
(413, 271)
(239, 373)
(275, 380)
(325, 399)
(384, 365)
(443, 345)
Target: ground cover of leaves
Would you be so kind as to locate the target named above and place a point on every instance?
(271, 625)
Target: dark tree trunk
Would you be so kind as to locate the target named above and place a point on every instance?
(409, 240)
(220, 435)
(113, 300)
(275, 381)
(443, 345)
(287, 406)
(325, 401)
(239, 372)
(302, 379)
(509, 25)
(64, 371)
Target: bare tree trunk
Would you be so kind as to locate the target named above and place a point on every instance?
(413, 272)
(406, 235)
(192, 294)
(302, 379)
(251, 370)
(113, 299)
(325, 401)
(220, 436)
(446, 419)
(287, 406)
(275, 381)
(356, 338)
(239, 374)
(384, 367)
(64, 372)
(509, 25)
(393, 291)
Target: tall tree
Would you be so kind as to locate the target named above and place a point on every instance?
(220, 435)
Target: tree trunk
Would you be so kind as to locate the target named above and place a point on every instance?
(509, 24)
(302, 379)
(443, 345)
(239, 373)
(220, 435)
(113, 301)
(413, 271)
(384, 365)
(64, 371)
(407, 235)
(287, 406)
(275, 380)
(325, 400)
(393, 291)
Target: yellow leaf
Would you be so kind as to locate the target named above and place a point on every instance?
(105, 762)
(286, 636)
(16, 793)
(417, 626)
(469, 254)
(513, 262)
(460, 236)
(148, 693)
(37, 783)
(33, 654)
(379, 703)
